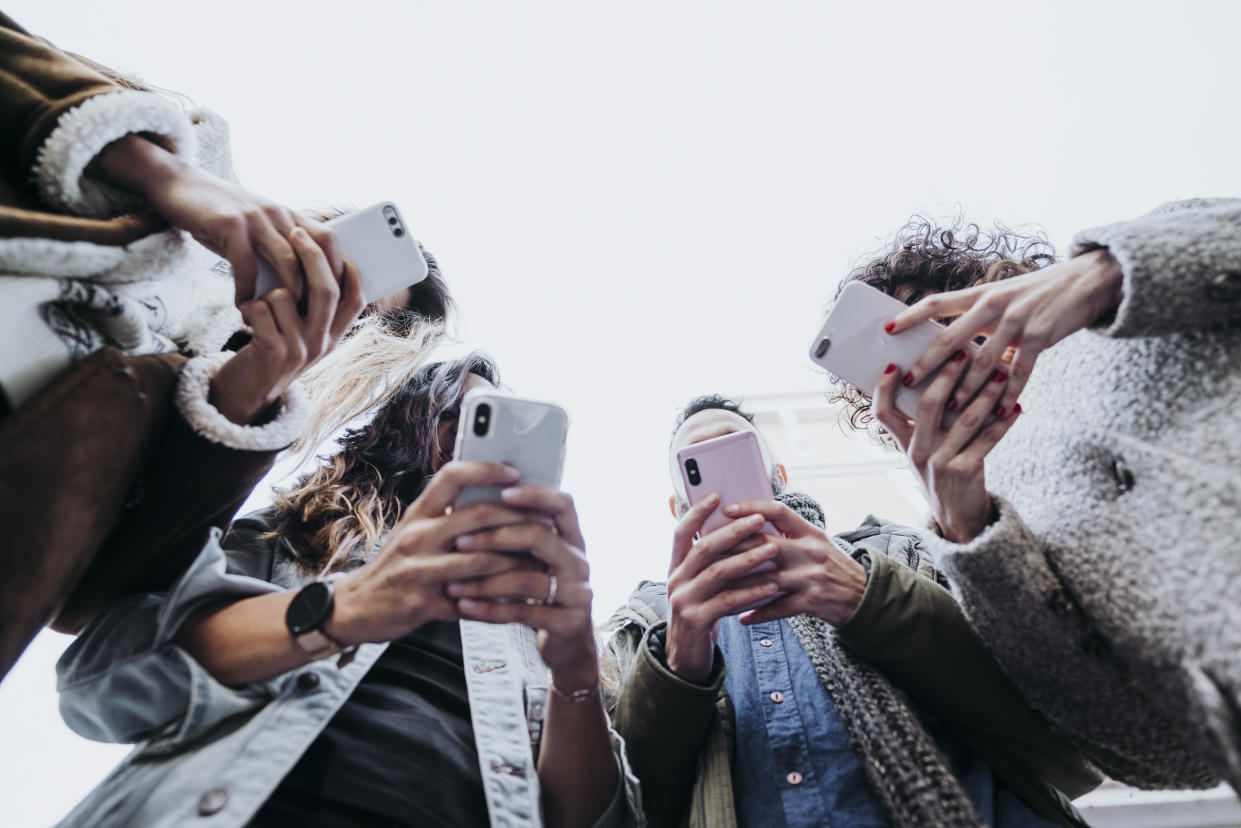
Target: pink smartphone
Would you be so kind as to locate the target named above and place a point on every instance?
(853, 345)
(732, 467)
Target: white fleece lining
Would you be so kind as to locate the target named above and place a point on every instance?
(195, 384)
(83, 132)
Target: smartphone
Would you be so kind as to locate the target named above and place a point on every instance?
(498, 427)
(853, 345)
(379, 244)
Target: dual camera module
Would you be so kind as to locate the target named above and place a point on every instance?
(482, 419)
(394, 223)
(691, 472)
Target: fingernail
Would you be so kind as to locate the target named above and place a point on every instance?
(770, 587)
(467, 606)
(512, 473)
(465, 541)
(891, 326)
(952, 404)
(999, 376)
(889, 369)
(731, 510)
(908, 379)
(455, 589)
(1016, 408)
(958, 356)
(999, 412)
(768, 549)
(508, 494)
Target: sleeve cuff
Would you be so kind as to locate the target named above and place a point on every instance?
(83, 132)
(652, 652)
(859, 627)
(193, 389)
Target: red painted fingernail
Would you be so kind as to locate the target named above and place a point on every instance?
(891, 326)
(952, 404)
(908, 379)
(1016, 408)
(999, 376)
(958, 356)
(889, 369)
(999, 412)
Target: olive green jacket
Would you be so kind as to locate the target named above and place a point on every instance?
(680, 734)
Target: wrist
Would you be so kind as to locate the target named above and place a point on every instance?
(1104, 280)
(849, 592)
(344, 624)
(569, 680)
(233, 395)
(138, 164)
(686, 659)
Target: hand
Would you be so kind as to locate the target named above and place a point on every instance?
(284, 343)
(222, 216)
(949, 464)
(815, 575)
(710, 580)
(1026, 313)
(552, 536)
(402, 588)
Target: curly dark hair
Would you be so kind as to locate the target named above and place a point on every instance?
(707, 402)
(926, 257)
(348, 503)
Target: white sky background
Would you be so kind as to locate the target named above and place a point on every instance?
(640, 202)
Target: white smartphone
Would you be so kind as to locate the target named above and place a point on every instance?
(378, 242)
(853, 345)
(497, 427)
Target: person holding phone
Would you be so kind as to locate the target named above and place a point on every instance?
(1085, 544)
(309, 669)
(132, 414)
(859, 696)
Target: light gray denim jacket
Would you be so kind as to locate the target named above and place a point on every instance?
(211, 755)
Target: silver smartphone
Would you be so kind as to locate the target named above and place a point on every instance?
(498, 427)
(378, 242)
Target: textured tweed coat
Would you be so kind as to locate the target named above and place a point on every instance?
(1109, 589)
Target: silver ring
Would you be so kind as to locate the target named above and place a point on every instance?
(551, 591)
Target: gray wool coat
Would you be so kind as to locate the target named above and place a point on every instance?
(1109, 588)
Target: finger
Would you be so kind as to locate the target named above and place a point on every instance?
(448, 530)
(883, 407)
(322, 292)
(326, 240)
(973, 418)
(688, 526)
(958, 336)
(1019, 374)
(456, 567)
(555, 619)
(989, 436)
(271, 243)
(729, 573)
(988, 359)
(245, 266)
(549, 501)
(522, 586)
(788, 522)
(717, 543)
(530, 537)
(782, 608)
(285, 313)
(927, 432)
(935, 306)
(729, 601)
(351, 302)
(446, 486)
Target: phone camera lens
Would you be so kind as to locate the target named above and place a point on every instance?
(398, 232)
(482, 419)
(824, 344)
(391, 219)
(691, 472)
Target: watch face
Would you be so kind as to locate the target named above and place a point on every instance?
(310, 608)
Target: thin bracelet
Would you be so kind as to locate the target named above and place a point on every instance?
(574, 696)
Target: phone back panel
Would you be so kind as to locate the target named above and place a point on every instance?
(526, 434)
(378, 242)
(858, 349)
(730, 466)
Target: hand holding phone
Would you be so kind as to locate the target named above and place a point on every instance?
(377, 241)
(497, 427)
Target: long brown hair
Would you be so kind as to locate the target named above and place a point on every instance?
(925, 257)
(340, 511)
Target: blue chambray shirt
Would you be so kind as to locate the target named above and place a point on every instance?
(795, 764)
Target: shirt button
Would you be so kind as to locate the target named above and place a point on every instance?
(308, 681)
(777, 696)
(766, 642)
(212, 802)
(794, 778)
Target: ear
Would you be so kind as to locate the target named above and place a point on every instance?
(672, 505)
(782, 473)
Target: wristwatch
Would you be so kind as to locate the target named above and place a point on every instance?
(309, 610)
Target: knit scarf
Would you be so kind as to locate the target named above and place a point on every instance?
(905, 768)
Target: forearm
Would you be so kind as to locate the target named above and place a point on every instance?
(243, 642)
(138, 164)
(577, 768)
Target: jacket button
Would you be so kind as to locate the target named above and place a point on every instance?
(1124, 477)
(1096, 645)
(212, 802)
(308, 681)
(1058, 601)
